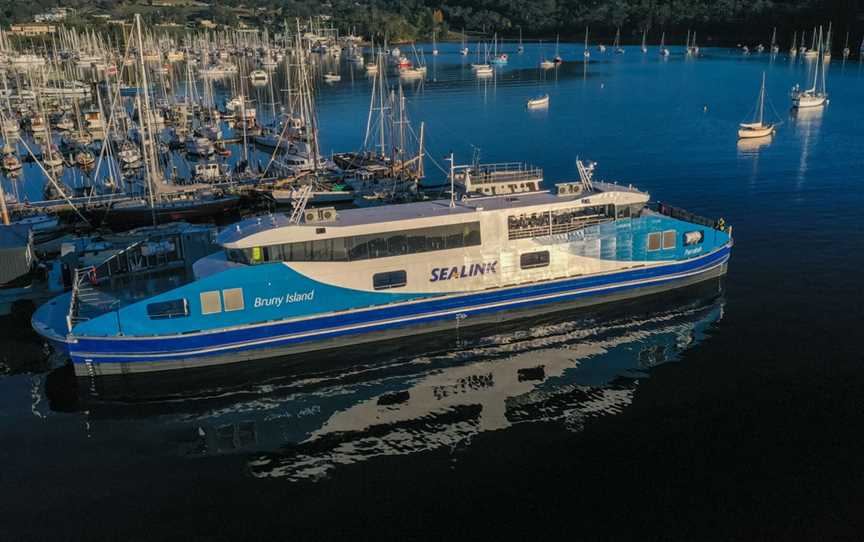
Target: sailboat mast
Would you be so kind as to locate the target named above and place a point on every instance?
(762, 100)
(143, 116)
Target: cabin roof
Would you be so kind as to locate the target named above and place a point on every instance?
(423, 209)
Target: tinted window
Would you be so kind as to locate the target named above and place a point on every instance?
(364, 247)
(176, 308)
(534, 259)
(391, 279)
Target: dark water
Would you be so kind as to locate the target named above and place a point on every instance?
(732, 411)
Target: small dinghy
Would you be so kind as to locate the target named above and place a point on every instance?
(540, 102)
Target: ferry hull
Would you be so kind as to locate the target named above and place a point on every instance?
(94, 356)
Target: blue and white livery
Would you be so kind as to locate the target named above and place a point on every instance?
(321, 279)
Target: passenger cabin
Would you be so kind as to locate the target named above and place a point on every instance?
(414, 228)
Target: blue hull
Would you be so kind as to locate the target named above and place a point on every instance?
(117, 355)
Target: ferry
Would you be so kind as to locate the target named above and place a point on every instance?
(320, 278)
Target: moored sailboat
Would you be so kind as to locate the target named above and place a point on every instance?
(757, 128)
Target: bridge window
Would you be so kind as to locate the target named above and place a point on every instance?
(531, 260)
(391, 279)
(176, 308)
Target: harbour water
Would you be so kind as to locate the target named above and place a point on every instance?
(727, 411)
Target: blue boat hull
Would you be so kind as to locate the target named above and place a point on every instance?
(93, 356)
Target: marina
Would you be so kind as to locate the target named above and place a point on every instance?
(280, 262)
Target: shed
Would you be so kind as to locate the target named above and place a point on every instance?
(16, 252)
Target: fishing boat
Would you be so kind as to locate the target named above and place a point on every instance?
(199, 146)
(664, 51)
(129, 156)
(258, 77)
(816, 95)
(320, 278)
(84, 158)
(10, 161)
(539, 102)
(757, 128)
(210, 172)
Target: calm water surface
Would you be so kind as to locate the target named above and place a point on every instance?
(731, 411)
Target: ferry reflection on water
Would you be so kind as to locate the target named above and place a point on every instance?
(407, 396)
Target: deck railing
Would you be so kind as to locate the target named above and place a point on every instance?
(503, 172)
(687, 216)
(91, 273)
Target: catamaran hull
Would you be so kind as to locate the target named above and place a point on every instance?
(96, 356)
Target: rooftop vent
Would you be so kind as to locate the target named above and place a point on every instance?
(319, 215)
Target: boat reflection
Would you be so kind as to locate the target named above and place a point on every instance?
(566, 368)
(751, 146)
(807, 122)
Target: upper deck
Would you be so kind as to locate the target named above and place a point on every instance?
(278, 228)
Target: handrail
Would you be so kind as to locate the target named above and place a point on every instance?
(686, 216)
(90, 272)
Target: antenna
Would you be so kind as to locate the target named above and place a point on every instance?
(452, 181)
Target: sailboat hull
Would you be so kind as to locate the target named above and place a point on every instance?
(749, 133)
(802, 102)
(120, 217)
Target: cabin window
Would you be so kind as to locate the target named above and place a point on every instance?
(365, 247)
(622, 211)
(211, 303)
(391, 279)
(654, 241)
(257, 254)
(233, 298)
(531, 260)
(669, 239)
(176, 308)
(559, 221)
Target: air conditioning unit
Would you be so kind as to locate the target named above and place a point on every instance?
(569, 189)
(320, 215)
